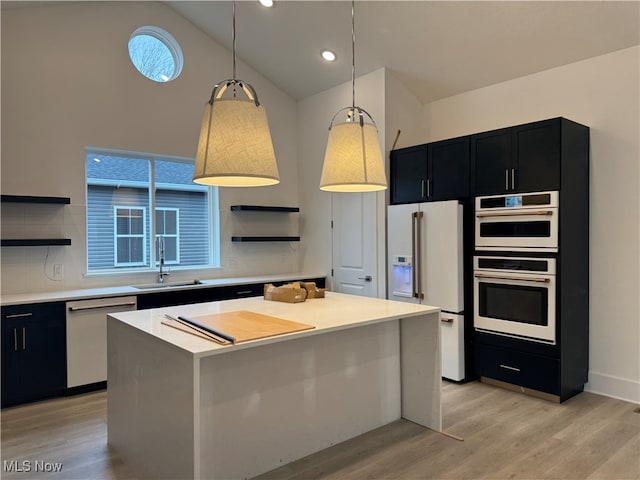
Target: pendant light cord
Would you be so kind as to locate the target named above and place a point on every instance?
(233, 29)
(353, 55)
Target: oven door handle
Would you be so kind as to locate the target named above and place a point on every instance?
(514, 214)
(524, 279)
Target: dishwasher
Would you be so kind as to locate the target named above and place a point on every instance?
(87, 338)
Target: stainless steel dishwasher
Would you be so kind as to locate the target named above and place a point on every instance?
(87, 337)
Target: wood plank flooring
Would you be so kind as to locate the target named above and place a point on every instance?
(506, 435)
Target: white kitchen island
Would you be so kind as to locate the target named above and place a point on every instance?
(180, 406)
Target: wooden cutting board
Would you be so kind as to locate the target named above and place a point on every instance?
(243, 325)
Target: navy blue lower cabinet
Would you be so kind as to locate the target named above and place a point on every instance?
(33, 352)
(523, 369)
(202, 294)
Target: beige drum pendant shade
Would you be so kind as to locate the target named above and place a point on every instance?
(353, 159)
(235, 147)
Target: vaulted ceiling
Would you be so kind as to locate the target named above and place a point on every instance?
(436, 48)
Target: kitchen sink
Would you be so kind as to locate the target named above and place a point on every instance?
(149, 286)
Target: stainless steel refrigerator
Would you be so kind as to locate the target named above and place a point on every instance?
(424, 250)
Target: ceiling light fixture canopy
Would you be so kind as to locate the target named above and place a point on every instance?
(235, 147)
(353, 159)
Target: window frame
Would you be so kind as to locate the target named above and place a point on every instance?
(117, 236)
(169, 42)
(176, 261)
(212, 205)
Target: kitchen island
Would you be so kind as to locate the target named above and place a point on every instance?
(181, 406)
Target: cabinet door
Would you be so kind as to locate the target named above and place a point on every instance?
(43, 362)
(34, 346)
(10, 360)
(537, 156)
(491, 162)
(408, 171)
(448, 176)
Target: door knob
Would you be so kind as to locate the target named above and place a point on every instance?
(366, 278)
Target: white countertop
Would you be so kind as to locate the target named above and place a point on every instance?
(80, 294)
(334, 312)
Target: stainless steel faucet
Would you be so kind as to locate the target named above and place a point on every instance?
(162, 273)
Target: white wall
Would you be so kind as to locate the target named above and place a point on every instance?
(602, 93)
(404, 112)
(314, 116)
(67, 83)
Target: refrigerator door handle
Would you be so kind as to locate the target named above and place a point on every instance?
(416, 242)
(414, 282)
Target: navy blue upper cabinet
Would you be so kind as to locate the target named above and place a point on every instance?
(408, 170)
(525, 158)
(430, 172)
(491, 161)
(537, 156)
(449, 169)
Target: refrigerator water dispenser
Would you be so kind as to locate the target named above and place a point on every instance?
(402, 276)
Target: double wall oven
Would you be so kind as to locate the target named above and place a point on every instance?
(515, 266)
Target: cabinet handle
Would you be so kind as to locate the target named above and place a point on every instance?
(24, 338)
(19, 315)
(510, 368)
(15, 340)
(428, 188)
(514, 277)
(447, 320)
(513, 179)
(422, 188)
(243, 292)
(514, 214)
(506, 179)
(106, 305)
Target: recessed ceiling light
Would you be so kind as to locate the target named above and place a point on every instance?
(328, 55)
(266, 3)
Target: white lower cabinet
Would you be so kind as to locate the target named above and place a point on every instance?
(452, 340)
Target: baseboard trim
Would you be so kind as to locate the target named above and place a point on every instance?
(615, 387)
(91, 387)
(516, 388)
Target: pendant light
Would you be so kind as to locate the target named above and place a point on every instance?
(235, 148)
(353, 159)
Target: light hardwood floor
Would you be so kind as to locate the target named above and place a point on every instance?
(506, 435)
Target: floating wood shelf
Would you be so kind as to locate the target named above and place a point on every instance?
(34, 199)
(34, 242)
(265, 239)
(262, 208)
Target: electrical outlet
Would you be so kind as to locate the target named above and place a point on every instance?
(58, 271)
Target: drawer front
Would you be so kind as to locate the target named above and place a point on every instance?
(452, 340)
(240, 291)
(33, 311)
(523, 369)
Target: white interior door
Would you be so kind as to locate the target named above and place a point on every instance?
(355, 244)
